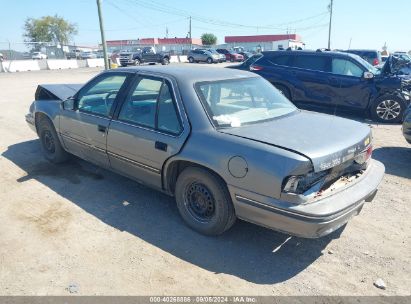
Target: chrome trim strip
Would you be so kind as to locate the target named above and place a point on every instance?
(135, 163)
(83, 143)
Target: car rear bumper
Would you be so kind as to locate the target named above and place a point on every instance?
(311, 220)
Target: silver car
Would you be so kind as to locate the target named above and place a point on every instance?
(202, 55)
(225, 143)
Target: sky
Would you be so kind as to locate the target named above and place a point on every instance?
(356, 23)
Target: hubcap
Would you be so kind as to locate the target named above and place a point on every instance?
(48, 142)
(388, 109)
(199, 202)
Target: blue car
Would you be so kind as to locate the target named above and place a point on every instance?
(336, 80)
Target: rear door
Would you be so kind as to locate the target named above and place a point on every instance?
(84, 129)
(311, 79)
(148, 128)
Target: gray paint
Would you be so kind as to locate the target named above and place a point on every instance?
(267, 152)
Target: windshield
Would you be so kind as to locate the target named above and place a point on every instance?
(237, 102)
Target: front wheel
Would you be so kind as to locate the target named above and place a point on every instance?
(50, 143)
(137, 61)
(388, 108)
(209, 60)
(191, 59)
(204, 202)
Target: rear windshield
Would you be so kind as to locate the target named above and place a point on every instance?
(238, 102)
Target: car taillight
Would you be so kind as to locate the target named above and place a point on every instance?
(256, 68)
(376, 62)
(364, 156)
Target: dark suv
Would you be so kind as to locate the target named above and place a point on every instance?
(337, 80)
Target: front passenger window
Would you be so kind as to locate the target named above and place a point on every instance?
(346, 68)
(99, 98)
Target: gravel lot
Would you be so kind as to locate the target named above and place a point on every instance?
(76, 224)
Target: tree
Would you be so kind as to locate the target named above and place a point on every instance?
(208, 39)
(48, 29)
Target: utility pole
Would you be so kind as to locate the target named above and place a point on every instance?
(189, 34)
(103, 39)
(330, 7)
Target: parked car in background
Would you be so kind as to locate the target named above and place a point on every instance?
(406, 125)
(371, 56)
(73, 54)
(87, 55)
(202, 55)
(146, 55)
(214, 52)
(231, 55)
(225, 143)
(246, 64)
(336, 80)
(38, 56)
(246, 55)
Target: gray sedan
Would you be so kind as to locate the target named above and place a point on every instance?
(226, 144)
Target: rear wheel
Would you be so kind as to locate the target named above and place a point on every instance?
(388, 108)
(204, 202)
(50, 143)
(165, 61)
(232, 59)
(137, 61)
(191, 59)
(209, 60)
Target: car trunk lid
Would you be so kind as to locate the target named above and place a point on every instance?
(326, 140)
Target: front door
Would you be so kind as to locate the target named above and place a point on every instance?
(149, 128)
(350, 88)
(84, 128)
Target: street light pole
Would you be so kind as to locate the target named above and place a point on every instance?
(103, 39)
(329, 25)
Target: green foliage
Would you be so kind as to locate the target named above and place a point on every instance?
(49, 29)
(208, 39)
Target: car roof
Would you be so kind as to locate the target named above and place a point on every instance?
(311, 52)
(190, 73)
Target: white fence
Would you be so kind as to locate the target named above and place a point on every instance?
(59, 64)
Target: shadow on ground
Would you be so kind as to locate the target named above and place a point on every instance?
(397, 160)
(245, 251)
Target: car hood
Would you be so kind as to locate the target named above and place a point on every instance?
(326, 140)
(57, 91)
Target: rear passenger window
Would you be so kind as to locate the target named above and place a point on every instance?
(167, 118)
(316, 63)
(141, 106)
(151, 104)
(346, 68)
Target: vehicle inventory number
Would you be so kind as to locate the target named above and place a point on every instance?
(201, 299)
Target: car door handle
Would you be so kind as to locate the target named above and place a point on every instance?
(160, 146)
(101, 128)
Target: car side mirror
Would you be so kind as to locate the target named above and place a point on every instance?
(368, 75)
(69, 104)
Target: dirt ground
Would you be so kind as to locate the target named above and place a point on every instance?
(81, 226)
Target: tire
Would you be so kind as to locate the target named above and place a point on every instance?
(50, 143)
(191, 59)
(209, 60)
(284, 90)
(137, 61)
(165, 61)
(388, 108)
(231, 59)
(204, 202)
(123, 65)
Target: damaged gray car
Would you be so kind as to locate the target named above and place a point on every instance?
(225, 143)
